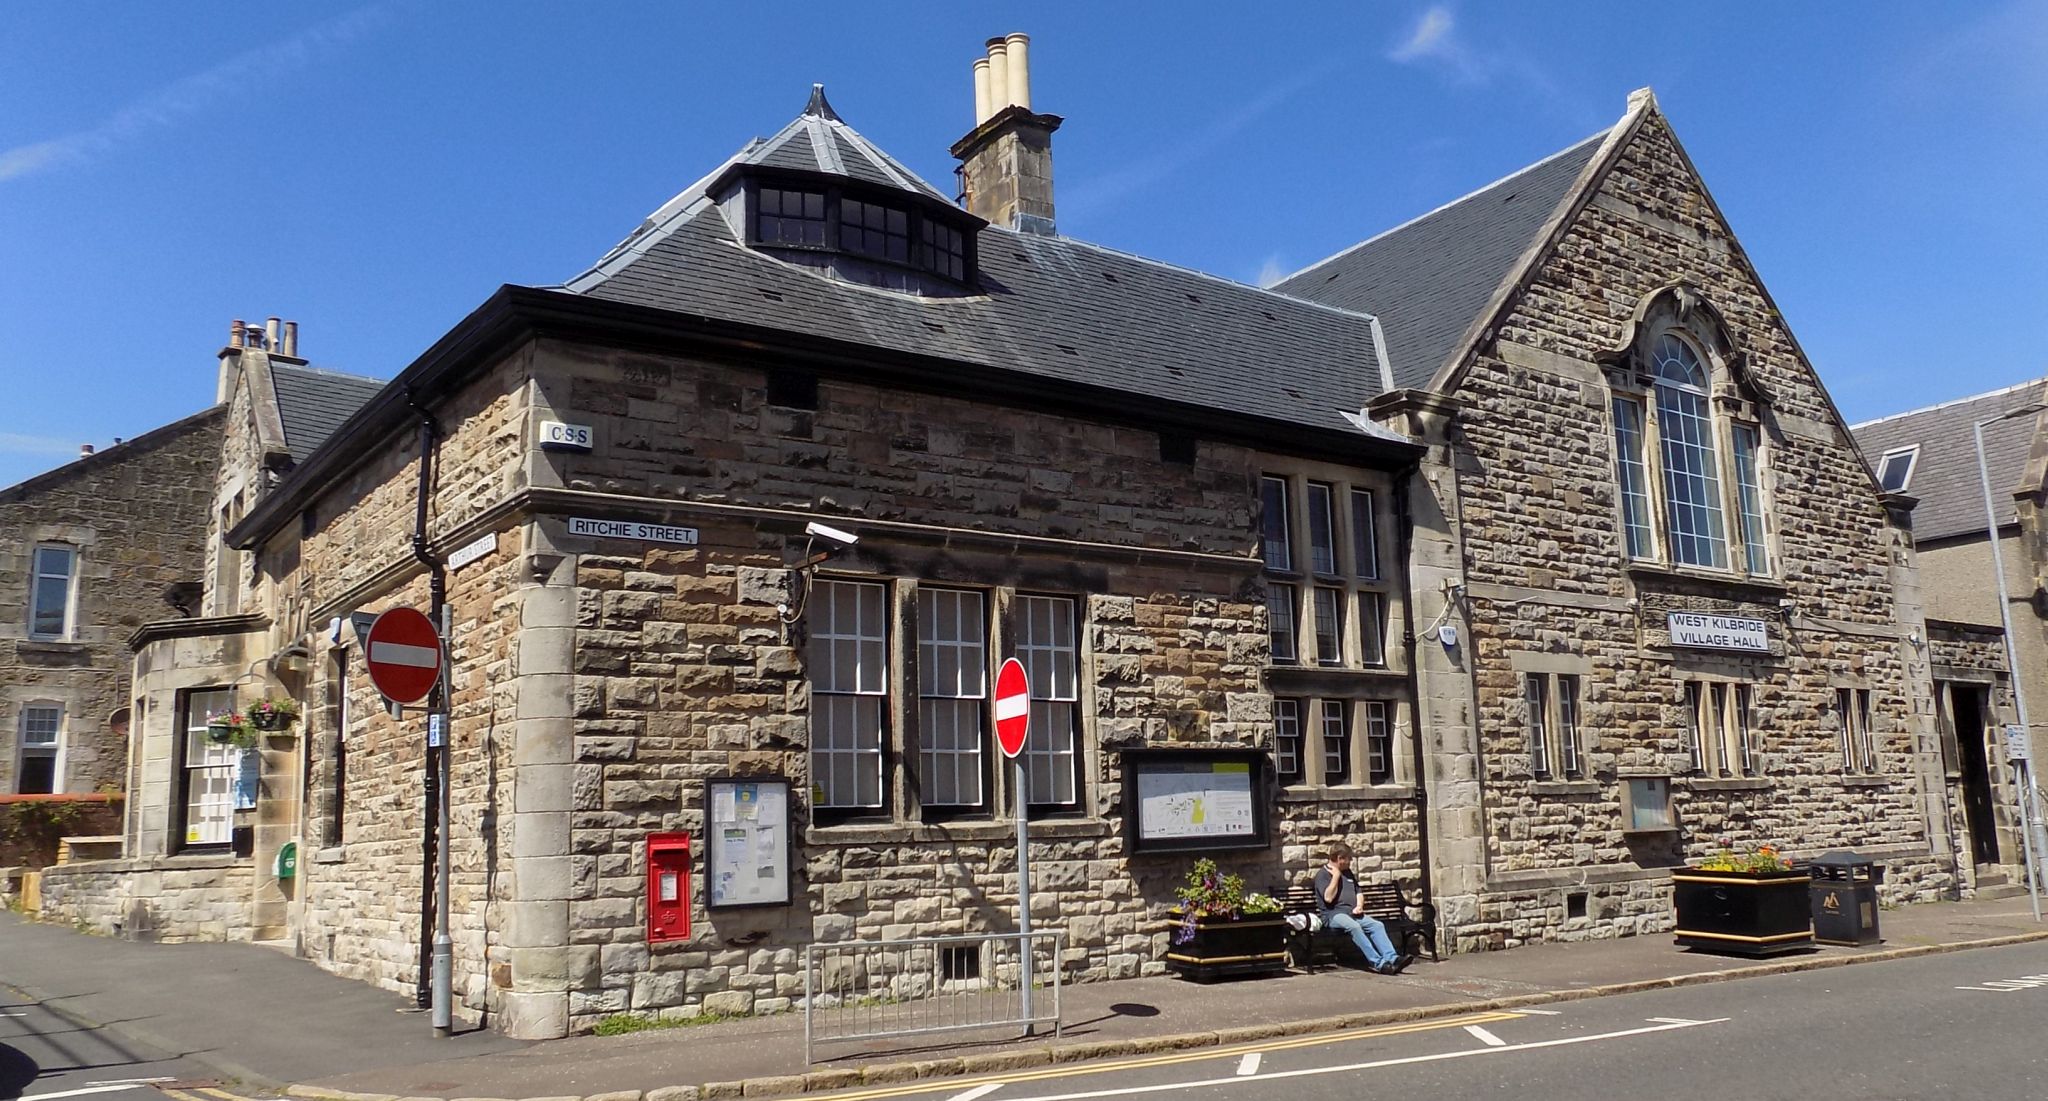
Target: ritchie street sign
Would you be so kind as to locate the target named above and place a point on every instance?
(632, 529)
(1717, 632)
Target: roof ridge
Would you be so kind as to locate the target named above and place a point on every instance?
(1949, 404)
(1524, 170)
(1322, 307)
(329, 371)
(657, 226)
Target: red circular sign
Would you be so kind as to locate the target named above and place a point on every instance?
(1013, 707)
(404, 655)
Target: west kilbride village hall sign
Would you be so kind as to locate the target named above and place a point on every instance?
(1717, 632)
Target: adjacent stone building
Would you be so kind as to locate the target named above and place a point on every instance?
(1930, 455)
(89, 552)
(1520, 547)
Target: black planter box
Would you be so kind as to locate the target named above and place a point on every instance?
(1222, 947)
(1742, 913)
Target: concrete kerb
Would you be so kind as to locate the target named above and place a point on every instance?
(992, 1063)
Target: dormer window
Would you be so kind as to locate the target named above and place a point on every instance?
(874, 230)
(789, 217)
(945, 250)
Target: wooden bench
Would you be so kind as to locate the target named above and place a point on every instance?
(1384, 901)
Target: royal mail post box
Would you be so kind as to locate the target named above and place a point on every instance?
(668, 887)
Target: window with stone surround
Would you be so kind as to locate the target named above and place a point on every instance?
(1699, 443)
(1336, 742)
(39, 754)
(205, 807)
(49, 599)
(1326, 607)
(1550, 715)
(1379, 742)
(1855, 739)
(872, 759)
(1717, 728)
(1895, 468)
(1287, 763)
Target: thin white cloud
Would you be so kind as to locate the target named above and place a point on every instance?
(1432, 33)
(1271, 271)
(1435, 40)
(18, 443)
(165, 106)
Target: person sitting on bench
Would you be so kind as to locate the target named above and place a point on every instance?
(1337, 890)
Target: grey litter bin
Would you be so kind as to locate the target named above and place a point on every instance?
(1844, 895)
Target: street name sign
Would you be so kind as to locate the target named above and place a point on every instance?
(1717, 632)
(473, 550)
(1013, 708)
(556, 436)
(632, 529)
(403, 655)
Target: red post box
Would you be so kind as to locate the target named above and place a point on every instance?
(668, 887)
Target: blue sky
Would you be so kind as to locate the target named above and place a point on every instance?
(376, 171)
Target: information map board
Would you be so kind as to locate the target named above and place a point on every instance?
(746, 831)
(1194, 799)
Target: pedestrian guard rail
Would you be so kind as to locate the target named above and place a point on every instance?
(869, 990)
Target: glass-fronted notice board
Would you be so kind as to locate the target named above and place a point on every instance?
(747, 842)
(1194, 799)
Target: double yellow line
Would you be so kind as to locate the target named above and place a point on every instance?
(1192, 1055)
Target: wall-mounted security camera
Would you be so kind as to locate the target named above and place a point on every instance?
(822, 531)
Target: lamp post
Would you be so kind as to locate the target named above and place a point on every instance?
(2030, 797)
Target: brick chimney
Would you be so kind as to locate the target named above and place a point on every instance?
(1006, 160)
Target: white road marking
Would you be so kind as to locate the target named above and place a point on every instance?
(81, 1093)
(982, 1090)
(2007, 986)
(1675, 1021)
(1485, 1037)
(1249, 1064)
(1348, 1068)
(1543, 1012)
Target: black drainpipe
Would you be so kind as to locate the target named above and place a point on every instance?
(437, 589)
(1407, 541)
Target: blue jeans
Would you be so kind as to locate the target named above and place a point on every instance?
(1366, 932)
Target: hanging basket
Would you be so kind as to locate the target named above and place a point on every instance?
(219, 730)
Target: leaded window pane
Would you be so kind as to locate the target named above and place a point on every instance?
(1752, 494)
(1275, 524)
(1695, 742)
(1568, 725)
(1322, 530)
(1692, 477)
(1329, 626)
(1635, 478)
(1536, 704)
(1372, 628)
(1280, 621)
(1048, 646)
(1336, 742)
(952, 673)
(1365, 542)
(1379, 742)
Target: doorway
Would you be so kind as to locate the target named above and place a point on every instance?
(1967, 709)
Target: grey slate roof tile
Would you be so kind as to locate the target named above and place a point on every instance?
(313, 403)
(1428, 279)
(1945, 474)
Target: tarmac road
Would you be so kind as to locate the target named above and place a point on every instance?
(48, 1054)
(1966, 1025)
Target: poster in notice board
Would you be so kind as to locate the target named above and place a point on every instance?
(746, 842)
(1194, 799)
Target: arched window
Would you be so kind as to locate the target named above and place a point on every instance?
(1678, 430)
(1692, 463)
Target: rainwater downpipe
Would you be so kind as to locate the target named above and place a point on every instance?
(1406, 534)
(433, 858)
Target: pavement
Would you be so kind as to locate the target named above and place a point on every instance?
(264, 1019)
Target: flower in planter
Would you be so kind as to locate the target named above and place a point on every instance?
(230, 728)
(1763, 858)
(274, 714)
(1208, 893)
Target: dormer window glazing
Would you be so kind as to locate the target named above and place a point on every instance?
(822, 214)
(790, 217)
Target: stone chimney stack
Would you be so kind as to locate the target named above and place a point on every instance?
(273, 338)
(1006, 160)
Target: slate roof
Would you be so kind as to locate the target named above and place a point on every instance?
(313, 403)
(1426, 280)
(1945, 474)
(1048, 306)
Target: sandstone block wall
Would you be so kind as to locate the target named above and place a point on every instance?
(202, 898)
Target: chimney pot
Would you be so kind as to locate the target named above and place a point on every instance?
(1016, 50)
(271, 333)
(982, 108)
(291, 339)
(84, 450)
(998, 76)
(235, 333)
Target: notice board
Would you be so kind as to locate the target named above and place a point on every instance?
(1194, 799)
(746, 834)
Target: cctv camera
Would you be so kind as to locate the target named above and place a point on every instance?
(843, 538)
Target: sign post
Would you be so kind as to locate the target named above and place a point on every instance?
(1013, 723)
(405, 656)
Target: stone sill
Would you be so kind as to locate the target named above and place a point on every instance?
(1763, 586)
(1652, 831)
(336, 854)
(1369, 793)
(54, 648)
(1724, 783)
(1564, 787)
(1865, 781)
(865, 833)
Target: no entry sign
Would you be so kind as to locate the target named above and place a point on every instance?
(404, 655)
(1013, 708)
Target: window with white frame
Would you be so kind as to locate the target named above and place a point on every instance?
(1336, 742)
(1717, 728)
(1856, 740)
(40, 754)
(1287, 762)
(1895, 468)
(1550, 716)
(1048, 645)
(1706, 458)
(849, 664)
(49, 610)
(952, 697)
(207, 771)
(1379, 742)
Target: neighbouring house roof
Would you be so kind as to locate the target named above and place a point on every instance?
(1945, 475)
(1046, 306)
(1428, 279)
(118, 453)
(312, 403)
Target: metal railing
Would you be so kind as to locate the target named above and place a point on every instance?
(872, 989)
